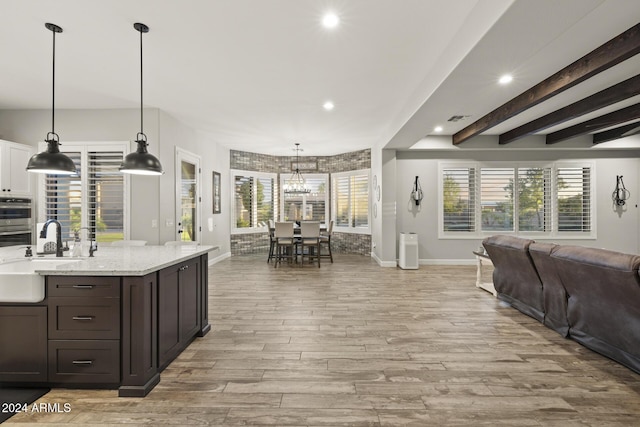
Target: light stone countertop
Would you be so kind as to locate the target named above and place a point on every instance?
(126, 261)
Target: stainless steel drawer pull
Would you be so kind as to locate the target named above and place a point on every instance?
(184, 267)
(83, 286)
(82, 362)
(82, 317)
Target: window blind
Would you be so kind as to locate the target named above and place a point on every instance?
(573, 187)
(458, 199)
(351, 199)
(497, 198)
(342, 196)
(534, 199)
(63, 198)
(309, 207)
(255, 198)
(105, 201)
(94, 198)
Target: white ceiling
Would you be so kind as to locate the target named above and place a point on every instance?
(253, 74)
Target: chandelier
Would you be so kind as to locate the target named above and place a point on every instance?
(296, 183)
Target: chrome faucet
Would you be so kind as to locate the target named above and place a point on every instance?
(91, 241)
(43, 234)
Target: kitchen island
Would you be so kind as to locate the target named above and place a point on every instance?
(112, 321)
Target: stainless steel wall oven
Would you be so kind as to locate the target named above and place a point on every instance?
(16, 221)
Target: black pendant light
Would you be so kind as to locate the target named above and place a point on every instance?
(141, 162)
(52, 161)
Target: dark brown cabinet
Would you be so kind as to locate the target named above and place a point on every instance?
(23, 337)
(84, 329)
(105, 331)
(178, 309)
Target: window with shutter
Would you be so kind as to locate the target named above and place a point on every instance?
(93, 198)
(573, 186)
(312, 206)
(254, 200)
(351, 201)
(552, 200)
(496, 199)
(458, 199)
(534, 199)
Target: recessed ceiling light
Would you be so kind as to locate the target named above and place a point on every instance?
(437, 129)
(505, 79)
(328, 105)
(330, 20)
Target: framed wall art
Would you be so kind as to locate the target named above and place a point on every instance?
(216, 193)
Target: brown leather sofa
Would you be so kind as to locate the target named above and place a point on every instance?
(514, 276)
(587, 294)
(603, 308)
(554, 295)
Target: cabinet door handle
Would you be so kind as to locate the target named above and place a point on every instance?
(183, 268)
(82, 362)
(83, 286)
(82, 317)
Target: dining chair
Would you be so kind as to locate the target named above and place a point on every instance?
(310, 239)
(125, 243)
(285, 242)
(272, 240)
(325, 239)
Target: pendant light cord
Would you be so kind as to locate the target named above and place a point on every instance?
(141, 86)
(53, 86)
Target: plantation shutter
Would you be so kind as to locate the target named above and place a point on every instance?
(342, 196)
(105, 198)
(496, 198)
(459, 199)
(264, 194)
(360, 201)
(534, 199)
(573, 187)
(63, 198)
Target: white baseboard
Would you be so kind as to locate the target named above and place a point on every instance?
(382, 263)
(447, 262)
(219, 258)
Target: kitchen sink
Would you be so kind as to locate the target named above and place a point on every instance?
(19, 281)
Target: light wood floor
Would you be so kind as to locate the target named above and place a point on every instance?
(355, 344)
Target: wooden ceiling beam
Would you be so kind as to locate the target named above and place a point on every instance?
(604, 98)
(616, 50)
(607, 120)
(617, 133)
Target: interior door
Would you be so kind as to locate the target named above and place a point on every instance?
(188, 223)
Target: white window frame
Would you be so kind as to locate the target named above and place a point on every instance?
(327, 192)
(84, 148)
(552, 233)
(232, 200)
(349, 229)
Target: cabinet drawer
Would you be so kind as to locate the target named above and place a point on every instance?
(81, 286)
(84, 318)
(85, 361)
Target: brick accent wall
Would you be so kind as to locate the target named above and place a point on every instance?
(256, 243)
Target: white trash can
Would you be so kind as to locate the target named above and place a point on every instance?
(408, 259)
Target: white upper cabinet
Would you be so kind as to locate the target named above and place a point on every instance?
(14, 178)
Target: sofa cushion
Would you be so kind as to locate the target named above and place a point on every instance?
(554, 295)
(603, 306)
(514, 276)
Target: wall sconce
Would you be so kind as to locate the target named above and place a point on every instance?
(620, 194)
(416, 193)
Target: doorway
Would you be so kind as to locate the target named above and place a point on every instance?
(188, 177)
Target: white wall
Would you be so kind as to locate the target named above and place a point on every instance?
(615, 230)
(213, 157)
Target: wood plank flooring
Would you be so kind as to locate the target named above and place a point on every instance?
(353, 344)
